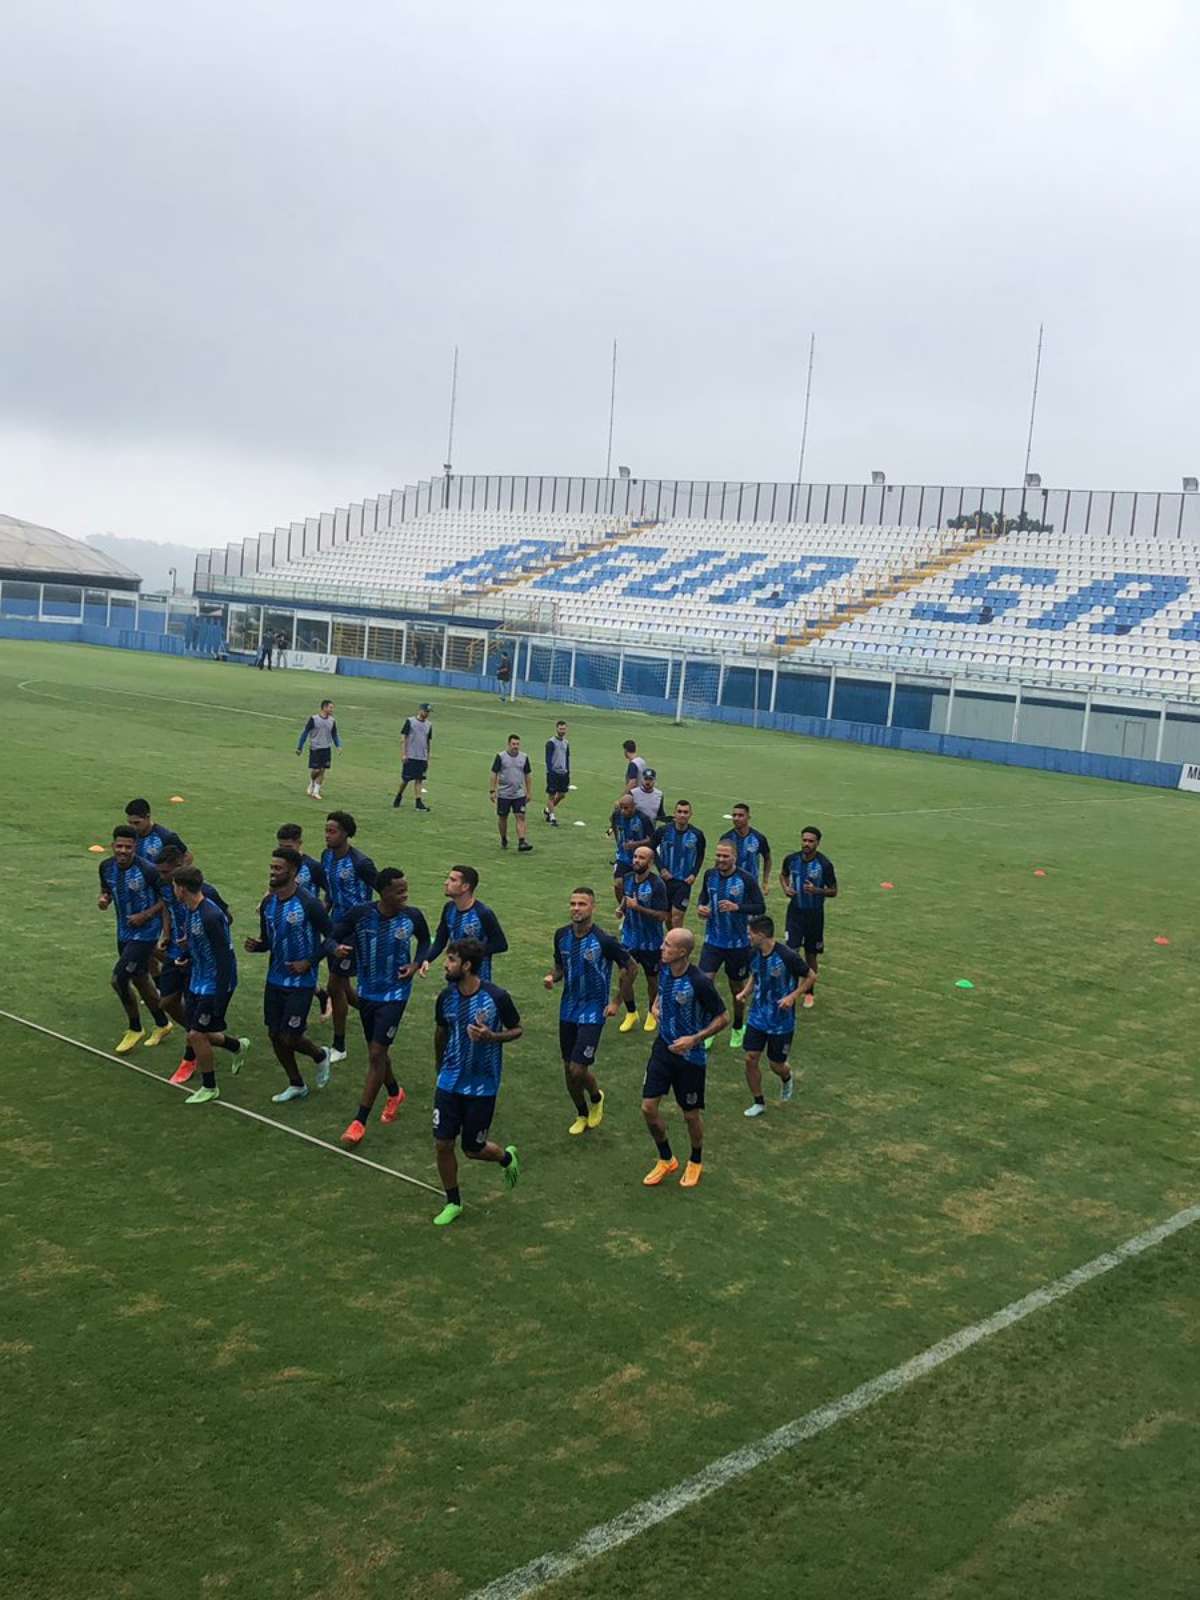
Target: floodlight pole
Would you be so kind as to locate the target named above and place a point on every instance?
(612, 412)
(450, 429)
(812, 346)
(1037, 373)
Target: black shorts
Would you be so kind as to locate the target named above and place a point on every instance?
(171, 980)
(344, 966)
(558, 782)
(806, 931)
(777, 1045)
(318, 760)
(467, 1114)
(648, 960)
(413, 769)
(205, 1013)
(504, 806)
(579, 1041)
(380, 1019)
(286, 1010)
(684, 1078)
(679, 893)
(134, 958)
(735, 963)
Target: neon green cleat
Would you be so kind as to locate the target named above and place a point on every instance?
(736, 1035)
(202, 1095)
(157, 1036)
(239, 1060)
(580, 1125)
(512, 1171)
(448, 1214)
(127, 1041)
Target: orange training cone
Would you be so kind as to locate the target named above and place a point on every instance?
(176, 799)
(95, 849)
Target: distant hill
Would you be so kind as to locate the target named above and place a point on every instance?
(150, 559)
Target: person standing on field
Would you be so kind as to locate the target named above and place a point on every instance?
(558, 772)
(510, 789)
(418, 736)
(321, 732)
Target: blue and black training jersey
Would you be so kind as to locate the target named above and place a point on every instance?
(753, 851)
(470, 1066)
(729, 930)
(382, 945)
(476, 921)
(586, 962)
(294, 929)
(134, 888)
(310, 876)
(818, 871)
(628, 833)
(685, 1005)
(680, 851)
(151, 845)
(639, 932)
(177, 914)
(775, 974)
(349, 880)
(212, 965)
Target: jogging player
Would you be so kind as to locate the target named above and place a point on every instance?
(473, 1021)
(464, 917)
(389, 940)
(728, 899)
(627, 828)
(417, 734)
(808, 880)
(133, 888)
(690, 1014)
(172, 978)
(294, 929)
(753, 848)
(645, 912)
(510, 789)
(777, 979)
(321, 731)
(152, 837)
(211, 980)
(680, 848)
(350, 877)
(558, 772)
(311, 875)
(584, 956)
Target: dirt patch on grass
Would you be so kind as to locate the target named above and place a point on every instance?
(621, 1243)
(15, 1347)
(1043, 1510)
(142, 1305)
(1149, 1428)
(994, 1206)
(236, 1344)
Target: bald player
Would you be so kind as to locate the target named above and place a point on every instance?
(690, 1012)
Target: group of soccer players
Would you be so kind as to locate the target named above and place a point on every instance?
(176, 955)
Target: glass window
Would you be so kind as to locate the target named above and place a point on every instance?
(349, 638)
(280, 622)
(95, 606)
(385, 644)
(19, 599)
(465, 652)
(122, 611)
(243, 627)
(425, 646)
(312, 633)
(62, 601)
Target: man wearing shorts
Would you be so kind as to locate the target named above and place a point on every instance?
(349, 879)
(133, 888)
(418, 736)
(321, 732)
(627, 828)
(584, 956)
(558, 772)
(473, 1021)
(778, 977)
(680, 848)
(645, 912)
(690, 1013)
(172, 978)
(808, 880)
(389, 939)
(728, 899)
(211, 980)
(510, 788)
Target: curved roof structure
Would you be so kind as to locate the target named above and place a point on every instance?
(42, 555)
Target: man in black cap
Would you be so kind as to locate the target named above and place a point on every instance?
(648, 798)
(418, 735)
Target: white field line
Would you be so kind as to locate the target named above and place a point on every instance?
(646, 1514)
(226, 1105)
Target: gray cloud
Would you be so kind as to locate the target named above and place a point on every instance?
(242, 241)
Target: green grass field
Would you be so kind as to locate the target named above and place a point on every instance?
(235, 1364)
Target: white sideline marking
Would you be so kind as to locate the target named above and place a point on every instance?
(646, 1514)
(144, 694)
(227, 1105)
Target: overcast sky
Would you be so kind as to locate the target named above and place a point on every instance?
(241, 240)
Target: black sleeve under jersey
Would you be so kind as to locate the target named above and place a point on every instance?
(556, 964)
(496, 764)
(708, 999)
(507, 1013)
(660, 900)
(321, 923)
(764, 845)
(701, 851)
(263, 936)
(830, 874)
(366, 870)
(344, 928)
(612, 950)
(795, 964)
(442, 937)
(753, 905)
(317, 873)
(421, 934)
(494, 941)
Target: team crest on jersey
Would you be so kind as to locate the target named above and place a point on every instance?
(294, 912)
(592, 953)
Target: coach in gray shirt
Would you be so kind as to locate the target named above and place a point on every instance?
(648, 797)
(417, 733)
(510, 789)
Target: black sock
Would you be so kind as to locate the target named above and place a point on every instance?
(595, 1096)
(631, 1005)
(228, 1042)
(787, 1077)
(697, 1153)
(664, 1148)
(160, 1018)
(362, 1114)
(581, 1107)
(339, 1041)
(322, 998)
(506, 1159)
(454, 1196)
(392, 1087)
(294, 1078)
(189, 1054)
(209, 1080)
(760, 1100)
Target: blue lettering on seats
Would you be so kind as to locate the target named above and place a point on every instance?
(600, 567)
(1158, 590)
(686, 577)
(504, 561)
(980, 588)
(1188, 630)
(787, 581)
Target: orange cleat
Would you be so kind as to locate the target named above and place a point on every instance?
(182, 1072)
(691, 1175)
(659, 1171)
(354, 1133)
(394, 1102)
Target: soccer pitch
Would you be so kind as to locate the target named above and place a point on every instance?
(237, 1363)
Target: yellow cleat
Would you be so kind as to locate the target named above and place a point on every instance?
(659, 1171)
(158, 1035)
(691, 1175)
(580, 1125)
(596, 1112)
(628, 1022)
(129, 1040)
(651, 1023)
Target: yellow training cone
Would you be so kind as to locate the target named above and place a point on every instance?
(176, 799)
(96, 849)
